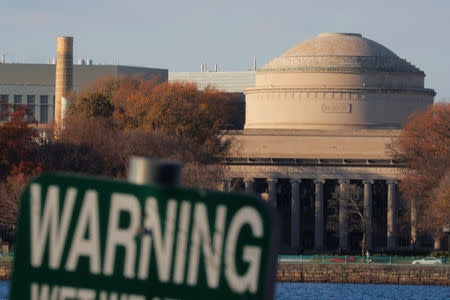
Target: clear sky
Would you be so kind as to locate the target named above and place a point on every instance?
(180, 35)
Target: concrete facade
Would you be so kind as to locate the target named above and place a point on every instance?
(229, 82)
(318, 118)
(35, 83)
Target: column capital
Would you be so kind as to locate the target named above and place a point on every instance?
(272, 180)
(319, 180)
(344, 181)
(295, 180)
(368, 181)
(393, 181)
(249, 179)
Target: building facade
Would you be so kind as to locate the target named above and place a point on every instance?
(321, 117)
(34, 84)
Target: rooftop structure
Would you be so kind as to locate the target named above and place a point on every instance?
(229, 82)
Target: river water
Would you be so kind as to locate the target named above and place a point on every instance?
(334, 291)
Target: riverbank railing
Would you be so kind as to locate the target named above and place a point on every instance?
(6, 256)
(376, 260)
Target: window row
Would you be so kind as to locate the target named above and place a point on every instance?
(38, 110)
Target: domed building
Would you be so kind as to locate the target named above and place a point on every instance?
(320, 117)
(336, 81)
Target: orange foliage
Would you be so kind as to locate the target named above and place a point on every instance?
(17, 139)
(176, 109)
(424, 146)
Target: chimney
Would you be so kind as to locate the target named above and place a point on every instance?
(64, 76)
(3, 59)
(254, 65)
(215, 68)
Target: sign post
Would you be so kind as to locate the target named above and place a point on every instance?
(90, 238)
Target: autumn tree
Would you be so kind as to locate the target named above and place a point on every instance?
(424, 147)
(17, 138)
(175, 109)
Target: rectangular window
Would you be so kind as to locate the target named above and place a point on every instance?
(44, 114)
(44, 99)
(31, 99)
(3, 107)
(17, 99)
(4, 98)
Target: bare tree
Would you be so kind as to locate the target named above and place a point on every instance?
(351, 200)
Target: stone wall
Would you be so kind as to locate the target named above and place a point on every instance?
(426, 275)
(5, 270)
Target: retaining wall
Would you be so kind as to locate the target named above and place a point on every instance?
(5, 270)
(288, 272)
(427, 275)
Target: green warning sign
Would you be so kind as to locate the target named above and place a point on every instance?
(89, 238)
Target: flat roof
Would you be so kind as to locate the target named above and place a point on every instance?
(44, 74)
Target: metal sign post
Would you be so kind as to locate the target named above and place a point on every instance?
(90, 238)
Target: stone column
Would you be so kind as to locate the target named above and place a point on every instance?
(272, 191)
(319, 214)
(226, 185)
(296, 240)
(343, 216)
(392, 234)
(368, 212)
(249, 185)
(437, 243)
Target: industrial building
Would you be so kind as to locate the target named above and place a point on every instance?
(34, 84)
(228, 82)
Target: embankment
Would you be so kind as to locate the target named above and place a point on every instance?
(5, 270)
(291, 272)
(426, 275)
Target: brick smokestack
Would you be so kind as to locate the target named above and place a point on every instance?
(64, 75)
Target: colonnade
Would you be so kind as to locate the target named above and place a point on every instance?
(319, 213)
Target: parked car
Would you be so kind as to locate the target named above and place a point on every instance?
(341, 260)
(428, 261)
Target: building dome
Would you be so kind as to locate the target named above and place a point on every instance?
(336, 81)
(339, 44)
(340, 52)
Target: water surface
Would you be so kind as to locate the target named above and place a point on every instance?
(334, 291)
